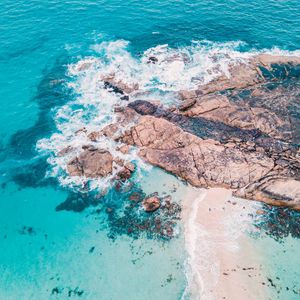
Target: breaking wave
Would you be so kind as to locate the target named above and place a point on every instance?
(158, 74)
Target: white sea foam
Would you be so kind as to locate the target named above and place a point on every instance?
(183, 68)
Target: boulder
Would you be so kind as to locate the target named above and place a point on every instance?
(94, 135)
(123, 149)
(126, 171)
(65, 151)
(91, 163)
(151, 204)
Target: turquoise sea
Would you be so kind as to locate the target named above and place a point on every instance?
(57, 243)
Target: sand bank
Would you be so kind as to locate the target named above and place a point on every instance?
(223, 260)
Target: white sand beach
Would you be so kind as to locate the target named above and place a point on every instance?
(223, 261)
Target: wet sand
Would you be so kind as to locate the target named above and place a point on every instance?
(223, 260)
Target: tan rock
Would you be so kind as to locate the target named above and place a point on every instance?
(91, 163)
(127, 171)
(151, 204)
(219, 108)
(198, 161)
(123, 149)
(207, 163)
(94, 135)
(65, 151)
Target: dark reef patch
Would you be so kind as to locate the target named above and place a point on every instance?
(67, 291)
(279, 223)
(27, 230)
(33, 174)
(122, 213)
(77, 202)
(51, 92)
(35, 44)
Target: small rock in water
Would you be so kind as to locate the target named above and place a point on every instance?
(109, 210)
(27, 230)
(152, 60)
(130, 166)
(124, 174)
(127, 171)
(151, 204)
(65, 151)
(93, 136)
(125, 98)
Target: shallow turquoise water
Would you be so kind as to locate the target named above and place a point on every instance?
(38, 40)
(67, 253)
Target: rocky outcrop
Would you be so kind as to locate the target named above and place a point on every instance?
(241, 132)
(260, 94)
(259, 69)
(94, 162)
(207, 163)
(201, 162)
(219, 108)
(113, 84)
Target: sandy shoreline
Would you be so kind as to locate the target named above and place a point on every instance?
(223, 262)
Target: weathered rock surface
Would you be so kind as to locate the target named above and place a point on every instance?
(126, 172)
(258, 69)
(240, 132)
(201, 162)
(220, 108)
(151, 204)
(262, 94)
(91, 163)
(208, 163)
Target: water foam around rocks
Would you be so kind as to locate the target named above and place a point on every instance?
(158, 74)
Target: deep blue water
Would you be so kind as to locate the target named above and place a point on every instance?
(38, 40)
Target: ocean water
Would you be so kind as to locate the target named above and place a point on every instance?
(56, 243)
